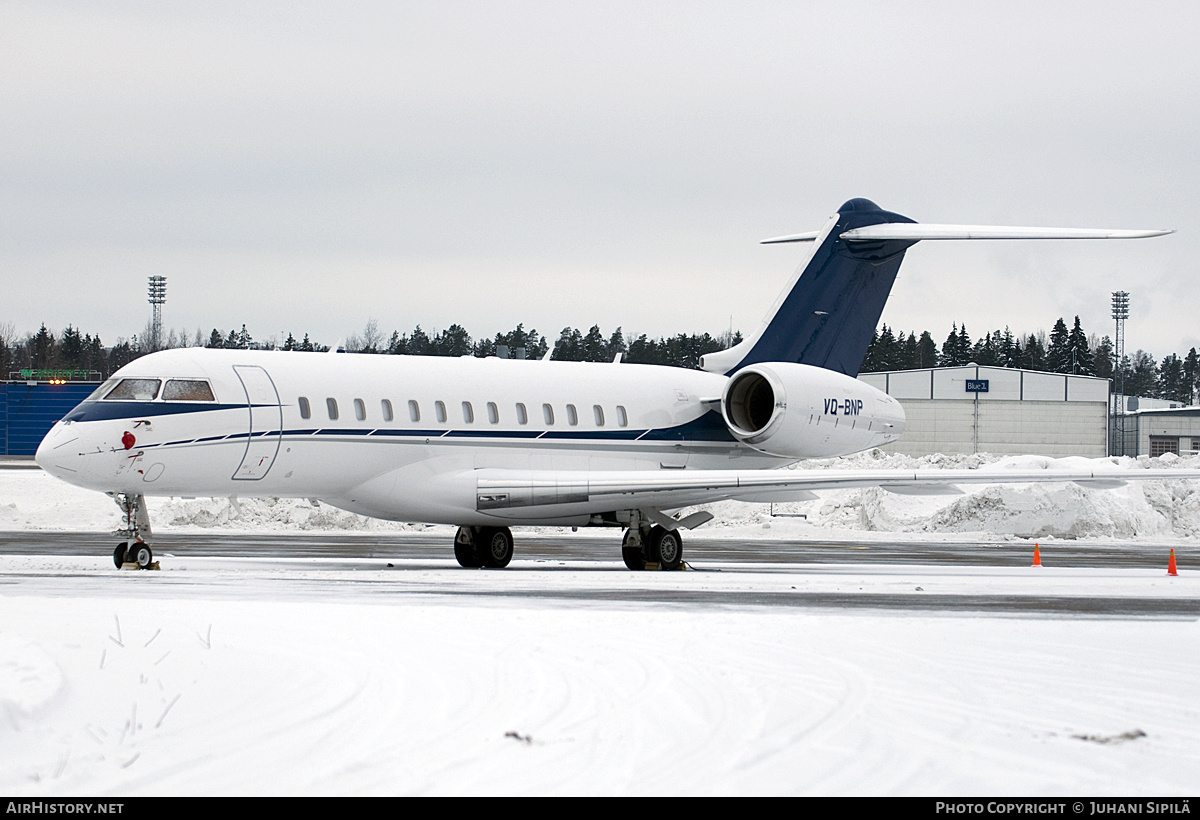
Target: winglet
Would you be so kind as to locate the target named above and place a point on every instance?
(796, 237)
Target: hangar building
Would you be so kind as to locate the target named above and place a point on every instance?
(977, 409)
(1157, 431)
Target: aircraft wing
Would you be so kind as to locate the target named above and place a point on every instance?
(498, 490)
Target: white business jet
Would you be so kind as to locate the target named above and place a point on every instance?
(486, 444)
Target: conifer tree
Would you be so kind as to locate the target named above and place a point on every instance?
(616, 344)
(926, 351)
(949, 356)
(1142, 375)
(1034, 355)
(593, 347)
(70, 348)
(1102, 358)
(1079, 354)
(42, 348)
(1191, 374)
(1058, 355)
(1171, 384)
(418, 343)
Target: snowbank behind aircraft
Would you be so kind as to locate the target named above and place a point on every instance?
(487, 444)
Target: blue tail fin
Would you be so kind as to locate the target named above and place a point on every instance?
(828, 315)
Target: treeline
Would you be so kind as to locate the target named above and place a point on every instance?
(572, 345)
(1064, 350)
(74, 350)
(1175, 378)
(69, 350)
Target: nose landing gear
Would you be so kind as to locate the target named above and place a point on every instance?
(134, 552)
(137, 554)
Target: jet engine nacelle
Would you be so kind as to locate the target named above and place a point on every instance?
(800, 411)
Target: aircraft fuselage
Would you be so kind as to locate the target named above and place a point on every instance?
(406, 437)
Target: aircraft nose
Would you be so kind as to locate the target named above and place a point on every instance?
(55, 453)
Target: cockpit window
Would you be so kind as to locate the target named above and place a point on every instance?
(134, 390)
(101, 390)
(188, 390)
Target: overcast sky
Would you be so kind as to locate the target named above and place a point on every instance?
(305, 167)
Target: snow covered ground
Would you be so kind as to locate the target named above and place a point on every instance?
(304, 676)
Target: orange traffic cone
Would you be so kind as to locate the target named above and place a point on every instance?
(1037, 556)
(1171, 565)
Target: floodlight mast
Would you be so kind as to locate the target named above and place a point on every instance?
(158, 297)
(1120, 312)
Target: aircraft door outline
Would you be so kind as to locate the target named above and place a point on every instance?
(266, 423)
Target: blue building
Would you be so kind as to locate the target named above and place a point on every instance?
(29, 407)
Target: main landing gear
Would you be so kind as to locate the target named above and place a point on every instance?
(490, 547)
(644, 547)
(652, 548)
(134, 550)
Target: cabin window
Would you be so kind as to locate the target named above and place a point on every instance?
(439, 407)
(331, 407)
(522, 415)
(572, 416)
(305, 410)
(360, 410)
(493, 413)
(548, 413)
(188, 390)
(386, 406)
(622, 418)
(468, 413)
(598, 412)
(414, 410)
(134, 390)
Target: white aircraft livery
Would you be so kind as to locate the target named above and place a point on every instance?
(486, 444)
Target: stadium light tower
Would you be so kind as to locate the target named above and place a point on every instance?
(1120, 312)
(158, 297)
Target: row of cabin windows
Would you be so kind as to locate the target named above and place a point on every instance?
(468, 412)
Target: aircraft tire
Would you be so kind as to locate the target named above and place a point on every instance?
(666, 548)
(142, 555)
(464, 550)
(495, 546)
(119, 554)
(634, 556)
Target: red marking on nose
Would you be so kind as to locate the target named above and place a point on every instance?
(128, 440)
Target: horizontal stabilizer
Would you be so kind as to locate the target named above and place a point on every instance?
(918, 231)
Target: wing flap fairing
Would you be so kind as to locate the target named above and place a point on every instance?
(498, 490)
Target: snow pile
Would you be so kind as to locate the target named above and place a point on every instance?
(1067, 510)
(288, 514)
(32, 500)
